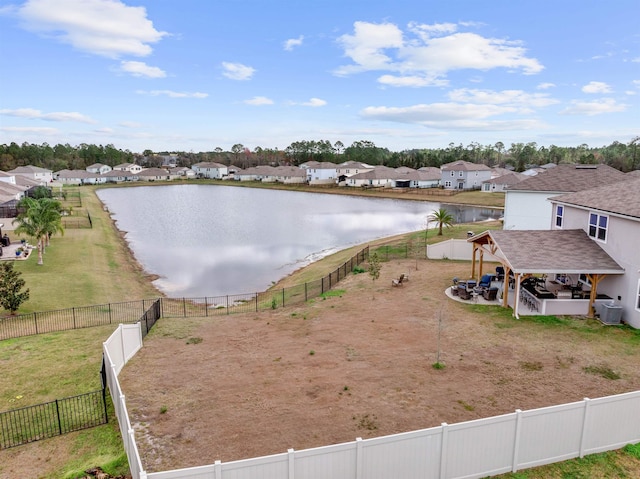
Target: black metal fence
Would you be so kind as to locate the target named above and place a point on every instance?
(54, 418)
(73, 318)
(145, 310)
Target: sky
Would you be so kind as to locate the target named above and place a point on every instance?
(196, 75)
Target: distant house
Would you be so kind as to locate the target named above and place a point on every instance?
(319, 173)
(349, 168)
(289, 175)
(154, 174)
(257, 173)
(211, 170)
(40, 175)
(380, 176)
(130, 167)
(526, 206)
(463, 175)
(79, 177)
(500, 183)
(182, 172)
(119, 176)
(98, 168)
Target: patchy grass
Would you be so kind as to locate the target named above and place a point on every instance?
(602, 371)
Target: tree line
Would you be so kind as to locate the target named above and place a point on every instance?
(622, 156)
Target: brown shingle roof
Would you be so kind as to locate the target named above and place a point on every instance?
(551, 251)
(621, 198)
(570, 178)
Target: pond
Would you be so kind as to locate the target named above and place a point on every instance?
(211, 240)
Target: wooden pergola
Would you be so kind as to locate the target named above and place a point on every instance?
(526, 253)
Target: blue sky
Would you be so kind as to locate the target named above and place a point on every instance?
(194, 75)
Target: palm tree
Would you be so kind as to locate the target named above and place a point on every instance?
(442, 218)
(39, 219)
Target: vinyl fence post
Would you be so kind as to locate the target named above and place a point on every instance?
(516, 442)
(291, 463)
(217, 469)
(359, 458)
(443, 450)
(585, 420)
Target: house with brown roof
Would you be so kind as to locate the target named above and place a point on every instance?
(526, 205)
(464, 175)
(212, 170)
(380, 176)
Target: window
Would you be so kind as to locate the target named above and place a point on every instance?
(460, 174)
(559, 213)
(598, 226)
(453, 173)
(447, 184)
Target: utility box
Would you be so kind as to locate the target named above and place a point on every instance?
(610, 313)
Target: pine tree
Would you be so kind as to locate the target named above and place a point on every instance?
(10, 285)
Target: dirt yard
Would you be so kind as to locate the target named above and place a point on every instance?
(357, 365)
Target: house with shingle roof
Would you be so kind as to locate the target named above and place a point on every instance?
(79, 177)
(320, 172)
(41, 175)
(610, 216)
(526, 205)
(586, 263)
(208, 169)
(500, 183)
(98, 168)
(380, 176)
(464, 175)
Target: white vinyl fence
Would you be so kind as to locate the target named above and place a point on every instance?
(472, 449)
(457, 249)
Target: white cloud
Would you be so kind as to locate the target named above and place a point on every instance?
(103, 27)
(259, 101)
(435, 112)
(596, 87)
(315, 102)
(505, 97)
(428, 53)
(545, 86)
(130, 124)
(237, 71)
(412, 81)
(173, 94)
(28, 130)
(33, 114)
(596, 107)
(141, 69)
(293, 42)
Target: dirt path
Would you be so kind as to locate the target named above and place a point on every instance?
(356, 365)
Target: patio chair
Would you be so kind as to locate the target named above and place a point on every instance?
(397, 282)
(485, 281)
(490, 294)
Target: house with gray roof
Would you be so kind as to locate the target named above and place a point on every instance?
(208, 169)
(500, 183)
(98, 168)
(380, 176)
(321, 172)
(464, 175)
(610, 217)
(79, 177)
(41, 175)
(526, 205)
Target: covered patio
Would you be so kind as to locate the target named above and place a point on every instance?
(546, 272)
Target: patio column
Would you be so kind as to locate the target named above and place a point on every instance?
(594, 279)
(473, 260)
(505, 286)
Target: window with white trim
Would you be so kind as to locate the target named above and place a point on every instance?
(598, 226)
(460, 174)
(559, 215)
(453, 173)
(447, 184)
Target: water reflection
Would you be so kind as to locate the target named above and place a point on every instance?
(205, 240)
